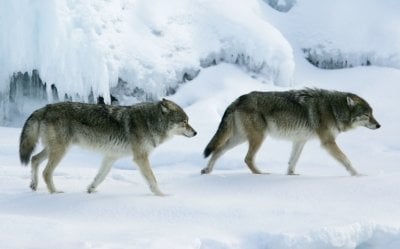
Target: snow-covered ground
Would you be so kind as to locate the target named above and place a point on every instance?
(84, 46)
(231, 208)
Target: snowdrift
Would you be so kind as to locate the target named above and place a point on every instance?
(128, 47)
(341, 34)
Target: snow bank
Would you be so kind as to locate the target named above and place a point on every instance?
(354, 236)
(341, 33)
(85, 47)
(135, 50)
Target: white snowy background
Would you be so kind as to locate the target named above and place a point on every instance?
(232, 47)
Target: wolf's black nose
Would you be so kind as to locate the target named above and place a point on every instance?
(195, 133)
(378, 126)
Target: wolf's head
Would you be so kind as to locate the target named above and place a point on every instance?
(177, 119)
(361, 113)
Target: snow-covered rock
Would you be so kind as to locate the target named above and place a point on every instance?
(339, 33)
(85, 48)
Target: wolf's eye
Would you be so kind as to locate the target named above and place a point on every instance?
(184, 122)
(365, 116)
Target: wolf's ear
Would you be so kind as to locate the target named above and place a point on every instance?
(164, 106)
(350, 101)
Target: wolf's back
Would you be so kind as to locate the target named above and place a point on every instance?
(224, 131)
(29, 136)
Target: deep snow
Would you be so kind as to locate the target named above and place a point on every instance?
(323, 207)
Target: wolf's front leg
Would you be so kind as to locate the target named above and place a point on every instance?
(142, 160)
(297, 148)
(101, 175)
(335, 151)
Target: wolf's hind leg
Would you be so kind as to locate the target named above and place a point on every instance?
(255, 142)
(142, 160)
(36, 161)
(102, 173)
(214, 157)
(232, 142)
(254, 127)
(297, 148)
(335, 151)
(55, 156)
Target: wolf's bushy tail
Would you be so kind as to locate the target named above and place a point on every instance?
(224, 132)
(29, 137)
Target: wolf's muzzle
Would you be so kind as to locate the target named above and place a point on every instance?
(190, 132)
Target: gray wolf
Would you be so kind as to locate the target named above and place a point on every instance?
(296, 115)
(115, 131)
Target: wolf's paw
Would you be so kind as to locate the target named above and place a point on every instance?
(292, 174)
(258, 172)
(56, 192)
(33, 186)
(358, 175)
(162, 195)
(205, 171)
(156, 191)
(159, 193)
(91, 190)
